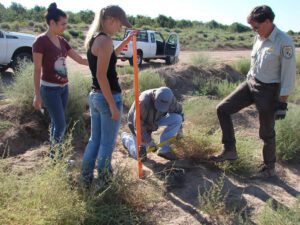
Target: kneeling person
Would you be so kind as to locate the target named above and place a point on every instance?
(158, 107)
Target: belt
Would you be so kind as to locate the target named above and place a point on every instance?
(267, 84)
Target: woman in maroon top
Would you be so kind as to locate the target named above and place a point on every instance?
(50, 73)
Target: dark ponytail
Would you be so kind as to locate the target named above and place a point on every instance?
(53, 13)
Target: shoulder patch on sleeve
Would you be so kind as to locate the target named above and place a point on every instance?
(287, 51)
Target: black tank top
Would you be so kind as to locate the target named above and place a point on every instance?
(112, 75)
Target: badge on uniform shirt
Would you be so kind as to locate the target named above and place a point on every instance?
(270, 50)
(287, 52)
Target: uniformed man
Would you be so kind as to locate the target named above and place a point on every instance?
(158, 107)
(270, 80)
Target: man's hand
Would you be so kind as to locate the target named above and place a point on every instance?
(280, 110)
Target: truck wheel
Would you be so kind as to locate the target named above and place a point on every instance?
(19, 59)
(171, 60)
(139, 58)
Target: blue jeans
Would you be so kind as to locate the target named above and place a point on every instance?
(104, 132)
(55, 100)
(172, 121)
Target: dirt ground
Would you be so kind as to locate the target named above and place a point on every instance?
(180, 204)
(184, 57)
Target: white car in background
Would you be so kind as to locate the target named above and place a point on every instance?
(151, 45)
(14, 47)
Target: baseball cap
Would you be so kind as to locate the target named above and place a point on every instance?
(117, 12)
(162, 99)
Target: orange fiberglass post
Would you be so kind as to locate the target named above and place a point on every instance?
(137, 107)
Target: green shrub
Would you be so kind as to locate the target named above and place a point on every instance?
(67, 36)
(281, 216)
(50, 194)
(23, 84)
(249, 153)
(214, 87)
(202, 137)
(213, 202)
(40, 197)
(149, 79)
(201, 112)
(79, 87)
(4, 125)
(288, 136)
(200, 59)
(39, 28)
(75, 33)
(31, 24)
(121, 70)
(242, 65)
(15, 26)
(5, 26)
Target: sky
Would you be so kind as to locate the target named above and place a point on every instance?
(223, 11)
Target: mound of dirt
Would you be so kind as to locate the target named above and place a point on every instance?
(27, 130)
(181, 78)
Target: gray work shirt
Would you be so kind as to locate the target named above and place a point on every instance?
(149, 115)
(273, 60)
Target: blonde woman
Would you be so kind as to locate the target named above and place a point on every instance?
(105, 99)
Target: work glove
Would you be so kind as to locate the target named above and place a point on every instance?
(280, 110)
(151, 146)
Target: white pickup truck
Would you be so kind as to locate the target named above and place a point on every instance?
(151, 45)
(14, 47)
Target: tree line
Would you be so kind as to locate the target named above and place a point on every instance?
(17, 12)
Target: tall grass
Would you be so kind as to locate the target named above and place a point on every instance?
(202, 137)
(213, 202)
(242, 65)
(288, 136)
(149, 79)
(201, 59)
(280, 216)
(79, 87)
(214, 87)
(40, 197)
(124, 70)
(4, 125)
(21, 91)
(51, 194)
(249, 156)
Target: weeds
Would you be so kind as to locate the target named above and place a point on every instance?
(4, 125)
(213, 202)
(122, 70)
(280, 216)
(288, 136)
(201, 59)
(242, 66)
(50, 194)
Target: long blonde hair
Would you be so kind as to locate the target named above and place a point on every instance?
(96, 27)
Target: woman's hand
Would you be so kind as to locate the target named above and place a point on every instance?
(131, 34)
(37, 102)
(115, 113)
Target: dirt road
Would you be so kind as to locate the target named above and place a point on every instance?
(184, 57)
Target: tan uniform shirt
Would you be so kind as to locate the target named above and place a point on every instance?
(273, 60)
